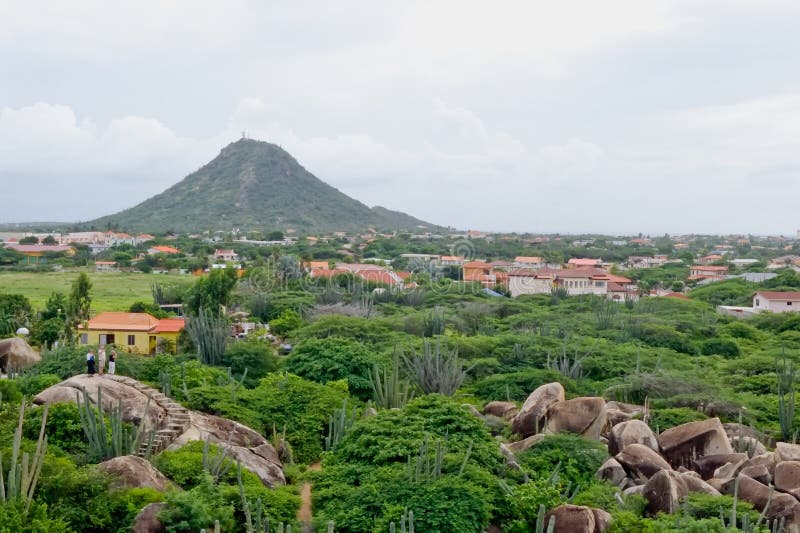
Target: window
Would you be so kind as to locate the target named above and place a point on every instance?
(131, 340)
(757, 302)
(84, 338)
(788, 303)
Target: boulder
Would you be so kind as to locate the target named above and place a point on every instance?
(631, 432)
(619, 412)
(135, 404)
(787, 452)
(472, 410)
(524, 444)
(683, 444)
(664, 491)
(769, 460)
(578, 519)
(582, 416)
(506, 410)
(530, 418)
(729, 470)
(147, 519)
(612, 472)
(695, 484)
(132, 472)
(640, 461)
(707, 465)
(748, 445)
(635, 489)
(243, 443)
(787, 477)
(615, 417)
(780, 506)
(733, 430)
(511, 459)
(757, 472)
(17, 354)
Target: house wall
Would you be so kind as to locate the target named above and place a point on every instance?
(775, 306)
(519, 285)
(141, 345)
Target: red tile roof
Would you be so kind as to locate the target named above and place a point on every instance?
(33, 248)
(526, 259)
(582, 261)
(773, 295)
(169, 325)
(121, 321)
(164, 249)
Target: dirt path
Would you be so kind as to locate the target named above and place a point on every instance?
(304, 513)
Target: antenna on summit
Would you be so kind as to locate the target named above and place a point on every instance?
(244, 134)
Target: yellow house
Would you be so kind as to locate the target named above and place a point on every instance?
(35, 254)
(132, 332)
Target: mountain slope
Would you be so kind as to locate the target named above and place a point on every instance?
(255, 185)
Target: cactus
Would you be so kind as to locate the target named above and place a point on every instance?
(23, 472)
(389, 391)
(338, 424)
(122, 441)
(436, 369)
(216, 464)
(786, 395)
(208, 331)
(433, 322)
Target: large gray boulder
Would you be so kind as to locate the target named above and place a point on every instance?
(787, 477)
(708, 464)
(132, 472)
(780, 505)
(578, 519)
(17, 354)
(530, 418)
(506, 410)
(631, 432)
(135, 404)
(683, 444)
(147, 520)
(582, 416)
(664, 491)
(641, 462)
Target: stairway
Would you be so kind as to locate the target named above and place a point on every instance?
(173, 425)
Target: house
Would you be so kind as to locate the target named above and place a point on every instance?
(522, 261)
(451, 260)
(153, 250)
(707, 272)
(637, 261)
(132, 332)
(37, 254)
(318, 265)
(776, 302)
(105, 266)
(581, 262)
(575, 281)
(710, 258)
(144, 237)
(479, 272)
(225, 255)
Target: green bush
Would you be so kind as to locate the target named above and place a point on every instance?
(579, 458)
(333, 359)
(196, 509)
(257, 357)
(288, 321)
(675, 416)
(32, 384)
(64, 429)
(279, 504)
(10, 390)
(517, 386)
(13, 519)
(723, 347)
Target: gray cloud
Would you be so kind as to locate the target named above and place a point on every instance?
(664, 116)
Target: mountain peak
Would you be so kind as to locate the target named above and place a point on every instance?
(255, 185)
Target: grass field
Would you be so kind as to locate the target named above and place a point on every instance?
(111, 291)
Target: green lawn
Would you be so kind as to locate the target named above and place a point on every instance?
(111, 291)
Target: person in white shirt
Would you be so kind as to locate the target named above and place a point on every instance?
(112, 362)
(101, 359)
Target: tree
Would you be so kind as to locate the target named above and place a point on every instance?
(50, 240)
(211, 291)
(80, 301)
(276, 235)
(29, 240)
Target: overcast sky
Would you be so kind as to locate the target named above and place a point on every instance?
(614, 116)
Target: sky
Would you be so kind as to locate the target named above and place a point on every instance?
(618, 117)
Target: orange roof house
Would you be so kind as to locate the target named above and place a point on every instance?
(162, 250)
(132, 332)
(582, 262)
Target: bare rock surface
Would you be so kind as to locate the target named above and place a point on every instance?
(664, 491)
(641, 462)
(695, 484)
(147, 519)
(133, 472)
(780, 506)
(584, 416)
(578, 519)
(683, 444)
(506, 410)
(787, 452)
(758, 472)
(631, 432)
(135, 404)
(16, 353)
(707, 465)
(787, 477)
(530, 419)
(526, 443)
(612, 472)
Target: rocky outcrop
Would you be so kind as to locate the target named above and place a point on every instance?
(581, 416)
(787, 452)
(707, 465)
(787, 477)
(780, 505)
(664, 491)
(530, 419)
(641, 462)
(631, 432)
(524, 444)
(132, 472)
(683, 444)
(147, 519)
(17, 354)
(578, 519)
(612, 471)
(506, 410)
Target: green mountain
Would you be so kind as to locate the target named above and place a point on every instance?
(255, 185)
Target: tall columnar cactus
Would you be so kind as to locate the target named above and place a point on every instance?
(389, 391)
(785, 372)
(437, 369)
(23, 472)
(209, 332)
(339, 422)
(121, 440)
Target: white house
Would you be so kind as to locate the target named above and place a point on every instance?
(776, 302)
(225, 255)
(522, 261)
(575, 281)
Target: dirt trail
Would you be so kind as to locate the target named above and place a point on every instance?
(304, 513)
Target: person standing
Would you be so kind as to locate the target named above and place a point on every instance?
(90, 363)
(101, 359)
(112, 362)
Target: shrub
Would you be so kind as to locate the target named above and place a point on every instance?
(197, 509)
(579, 458)
(64, 428)
(723, 347)
(675, 416)
(10, 391)
(288, 321)
(333, 359)
(33, 384)
(257, 357)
